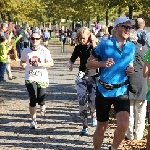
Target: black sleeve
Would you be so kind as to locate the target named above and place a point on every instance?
(75, 54)
(95, 55)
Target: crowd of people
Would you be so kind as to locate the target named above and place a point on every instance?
(113, 70)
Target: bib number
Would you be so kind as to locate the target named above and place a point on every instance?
(35, 73)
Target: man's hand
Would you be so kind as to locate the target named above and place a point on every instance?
(109, 62)
(130, 70)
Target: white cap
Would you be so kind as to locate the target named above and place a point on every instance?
(121, 19)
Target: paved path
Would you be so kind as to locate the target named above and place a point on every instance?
(59, 130)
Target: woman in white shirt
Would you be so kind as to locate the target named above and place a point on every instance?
(35, 60)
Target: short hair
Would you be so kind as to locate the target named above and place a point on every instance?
(133, 35)
(139, 24)
(2, 39)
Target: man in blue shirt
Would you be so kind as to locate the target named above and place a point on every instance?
(117, 56)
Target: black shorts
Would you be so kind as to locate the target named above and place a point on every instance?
(45, 39)
(103, 105)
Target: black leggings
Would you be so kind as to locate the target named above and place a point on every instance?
(36, 94)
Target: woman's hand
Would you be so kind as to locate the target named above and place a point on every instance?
(23, 64)
(70, 66)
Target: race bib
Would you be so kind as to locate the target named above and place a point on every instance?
(35, 73)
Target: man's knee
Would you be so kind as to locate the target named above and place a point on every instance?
(122, 120)
(101, 126)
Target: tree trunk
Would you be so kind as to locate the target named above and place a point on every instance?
(106, 17)
(72, 24)
(130, 12)
(98, 19)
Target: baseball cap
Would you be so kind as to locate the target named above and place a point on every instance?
(121, 19)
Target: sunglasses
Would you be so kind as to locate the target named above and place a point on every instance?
(127, 27)
(32, 38)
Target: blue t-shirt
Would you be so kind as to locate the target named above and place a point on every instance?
(46, 34)
(116, 73)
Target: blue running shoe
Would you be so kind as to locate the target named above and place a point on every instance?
(84, 131)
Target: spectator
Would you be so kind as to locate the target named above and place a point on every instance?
(143, 35)
(97, 27)
(106, 35)
(26, 38)
(3, 57)
(137, 92)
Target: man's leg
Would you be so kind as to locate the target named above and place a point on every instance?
(103, 105)
(99, 134)
(140, 113)
(122, 126)
(15, 52)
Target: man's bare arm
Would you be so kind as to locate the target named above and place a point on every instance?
(93, 63)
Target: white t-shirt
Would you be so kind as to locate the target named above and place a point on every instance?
(41, 55)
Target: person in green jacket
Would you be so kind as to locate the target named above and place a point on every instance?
(3, 57)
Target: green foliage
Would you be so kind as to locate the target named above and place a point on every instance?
(37, 11)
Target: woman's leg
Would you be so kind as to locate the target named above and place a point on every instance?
(41, 99)
(81, 88)
(32, 90)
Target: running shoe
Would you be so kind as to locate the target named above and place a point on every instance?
(84, 131)
(43, 111)
(33, 125)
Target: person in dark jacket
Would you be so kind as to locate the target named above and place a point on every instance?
(86, 79)
(137, 92)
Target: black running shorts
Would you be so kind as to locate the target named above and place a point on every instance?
(103, 105)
